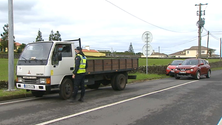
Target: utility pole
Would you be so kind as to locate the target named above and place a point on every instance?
(208, 43)
(220, 49)
(10, 47)
(200, 23)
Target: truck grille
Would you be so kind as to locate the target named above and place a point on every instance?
(31, 81)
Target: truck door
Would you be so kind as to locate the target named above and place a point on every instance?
(62, 61)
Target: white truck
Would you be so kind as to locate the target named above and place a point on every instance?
(43, 68)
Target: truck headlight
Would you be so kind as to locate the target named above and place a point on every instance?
(44, 80)
(19, 79)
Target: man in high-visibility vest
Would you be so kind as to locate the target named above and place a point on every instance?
(79, 74)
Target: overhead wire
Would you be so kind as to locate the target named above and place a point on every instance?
(211, 34)
(144, 20)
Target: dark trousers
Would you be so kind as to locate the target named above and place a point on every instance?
(79, 82)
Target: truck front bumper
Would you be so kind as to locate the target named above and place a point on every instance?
(31, 87)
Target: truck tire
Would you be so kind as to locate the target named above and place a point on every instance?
(66, 89)
(113, 82)
(120, 81)
(37, 93)
(96, 85)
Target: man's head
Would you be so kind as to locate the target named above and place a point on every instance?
(77, 49)
(60, 48)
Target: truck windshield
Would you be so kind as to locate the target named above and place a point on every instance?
(35, 53)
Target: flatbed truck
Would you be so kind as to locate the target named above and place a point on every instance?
(42, 68)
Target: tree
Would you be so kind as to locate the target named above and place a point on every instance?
(57, 36)
(21, 47)
(51, 36)
(131, 48)
(210, 52)
(4, 38)
(39, 37)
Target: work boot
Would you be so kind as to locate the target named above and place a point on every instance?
(81, 100)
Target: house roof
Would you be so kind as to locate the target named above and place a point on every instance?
(157, 53)
(196, 48)
(178, 53)
(191, 48)
(17, 44)
(86, 50)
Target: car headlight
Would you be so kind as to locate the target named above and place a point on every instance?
(175, 69)
(191, 70)
(168, 68)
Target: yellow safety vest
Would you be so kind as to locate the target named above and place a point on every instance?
(82, 66)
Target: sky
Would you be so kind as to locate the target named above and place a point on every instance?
(114, 24)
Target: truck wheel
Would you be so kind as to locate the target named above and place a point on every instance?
(208, 74)
(120, 81)
(37, 93)
(113, 82)
(94, 86)
(197, 76)
(176, 76)
(66, 89)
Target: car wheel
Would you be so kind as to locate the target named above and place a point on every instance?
(197, 76)
(208, 74)
(176, 76)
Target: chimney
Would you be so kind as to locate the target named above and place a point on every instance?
(87, 47)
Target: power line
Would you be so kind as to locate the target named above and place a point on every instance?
(211, 34)
(144, 20)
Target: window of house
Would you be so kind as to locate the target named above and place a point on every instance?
(187, 52)
(202, 51)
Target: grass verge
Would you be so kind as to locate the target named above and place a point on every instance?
(17, 93)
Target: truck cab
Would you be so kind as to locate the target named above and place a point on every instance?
(43, 66)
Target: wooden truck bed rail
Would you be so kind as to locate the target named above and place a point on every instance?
(111, 65)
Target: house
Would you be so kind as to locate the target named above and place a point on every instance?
(193, 52)
(92, 53)
(6, 49)
(157, 54)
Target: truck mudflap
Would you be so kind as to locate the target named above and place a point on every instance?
(31, 87)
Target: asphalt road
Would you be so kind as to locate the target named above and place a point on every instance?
(157, 102)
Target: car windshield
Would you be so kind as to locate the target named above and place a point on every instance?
(190, 62)
(176, 62)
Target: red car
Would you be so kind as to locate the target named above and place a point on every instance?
(170, 68)
(193, 68)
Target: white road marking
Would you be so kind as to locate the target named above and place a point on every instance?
(112, 104)
(220, 122)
